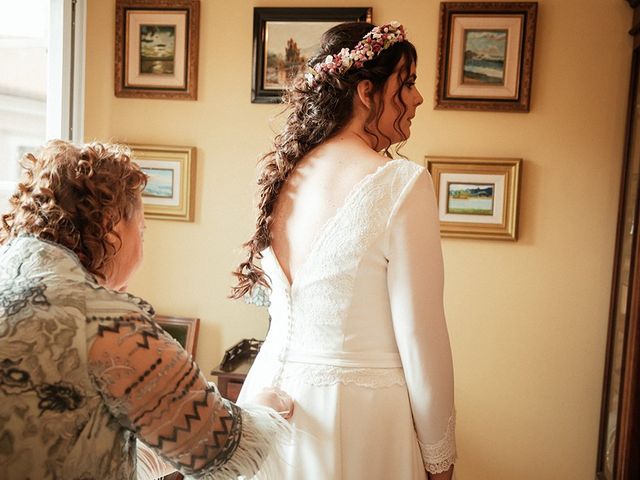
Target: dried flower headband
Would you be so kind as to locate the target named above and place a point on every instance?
(378, 39)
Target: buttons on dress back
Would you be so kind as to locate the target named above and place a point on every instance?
(287, 341)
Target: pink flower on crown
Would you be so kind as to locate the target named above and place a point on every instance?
(378, 39)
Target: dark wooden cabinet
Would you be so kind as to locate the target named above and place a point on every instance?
(619, 442)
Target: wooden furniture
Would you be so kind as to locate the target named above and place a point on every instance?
(230, 383)
(234, 367)
(619, 442)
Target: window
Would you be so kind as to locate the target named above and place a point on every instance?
(41, 86)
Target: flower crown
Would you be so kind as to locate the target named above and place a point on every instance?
(378, 39)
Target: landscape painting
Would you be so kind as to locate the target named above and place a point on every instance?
(470, 198)
(160, 183)
(484, 56)
(289, 46)
(157, 49)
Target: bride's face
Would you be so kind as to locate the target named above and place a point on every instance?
(398, 100)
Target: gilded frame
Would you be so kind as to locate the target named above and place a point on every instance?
(169, 70)
(477, 197)
(170, 191)
(485, 56)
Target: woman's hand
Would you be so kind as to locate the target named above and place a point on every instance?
(277, 399)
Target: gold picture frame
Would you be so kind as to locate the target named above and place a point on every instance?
(170, 190)
(485, 56)
(477, 197)
(156, 51)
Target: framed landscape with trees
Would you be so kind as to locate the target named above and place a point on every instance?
(285, 39)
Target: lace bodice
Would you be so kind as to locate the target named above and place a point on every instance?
(321, 299)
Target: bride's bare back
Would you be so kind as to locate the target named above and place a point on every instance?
(313, 193)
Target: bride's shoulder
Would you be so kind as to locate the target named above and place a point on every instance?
(399, 172)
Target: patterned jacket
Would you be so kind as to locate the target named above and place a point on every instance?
(85, 373)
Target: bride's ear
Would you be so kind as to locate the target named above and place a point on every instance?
(363, 93)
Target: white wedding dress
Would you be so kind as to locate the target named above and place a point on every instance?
(359, 340)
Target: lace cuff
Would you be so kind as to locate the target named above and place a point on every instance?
(264, 432)
(439, 456)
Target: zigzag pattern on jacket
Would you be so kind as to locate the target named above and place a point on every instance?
(218, 453)
(220, 436)
(130, 321)
(233, 440)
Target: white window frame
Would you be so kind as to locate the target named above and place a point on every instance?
(65, 86)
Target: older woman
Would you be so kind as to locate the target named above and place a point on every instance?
(85, 372)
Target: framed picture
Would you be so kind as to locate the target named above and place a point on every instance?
(285, 39)
(170, 190)
(477, 197)
(157, 49)
(485, 56)
(184, 330)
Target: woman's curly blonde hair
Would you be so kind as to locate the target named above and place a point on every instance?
(74, 195)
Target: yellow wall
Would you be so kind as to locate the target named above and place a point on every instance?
(527, 319)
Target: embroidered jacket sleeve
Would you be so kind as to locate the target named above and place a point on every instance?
(415, 284)
(151, 386)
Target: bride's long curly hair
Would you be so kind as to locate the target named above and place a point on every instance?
(315, 115)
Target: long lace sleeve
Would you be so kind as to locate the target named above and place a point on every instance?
(415, 284)
(152, 387)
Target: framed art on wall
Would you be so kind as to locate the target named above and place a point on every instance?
(156, 52)
(485, 56)
(170, 190)
(184, 330)
(477, 197)
(285, 39)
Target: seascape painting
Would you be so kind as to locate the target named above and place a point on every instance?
(157, 49)
(484, 56)
(289, 46)
(470, 198)
(160, 184)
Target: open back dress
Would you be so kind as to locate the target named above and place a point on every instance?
(359, 338)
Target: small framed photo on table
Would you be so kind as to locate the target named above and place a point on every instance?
(170, 190)
(156, 53)
(285, 39)
(477, 197)
(485, 56)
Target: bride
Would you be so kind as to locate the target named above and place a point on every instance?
(350, 250)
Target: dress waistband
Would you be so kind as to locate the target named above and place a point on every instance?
(337, 359)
